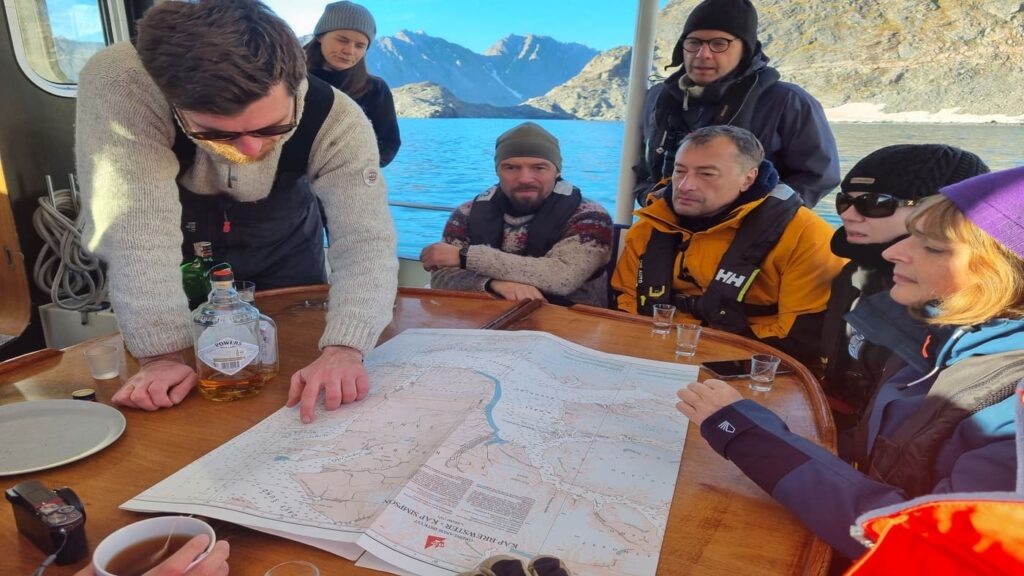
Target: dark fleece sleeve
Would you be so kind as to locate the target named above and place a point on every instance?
(381, 112)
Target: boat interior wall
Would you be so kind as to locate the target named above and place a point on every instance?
(36, 139)
(15, 305)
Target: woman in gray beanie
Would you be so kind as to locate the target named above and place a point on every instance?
(336, 55)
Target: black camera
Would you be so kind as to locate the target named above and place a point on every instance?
(54, 520)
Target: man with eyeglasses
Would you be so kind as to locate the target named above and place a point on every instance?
(731, 247)
(207, 129)
(726, 79)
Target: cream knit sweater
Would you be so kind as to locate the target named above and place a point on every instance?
(132, 216)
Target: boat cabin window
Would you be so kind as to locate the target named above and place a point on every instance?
(53, 39)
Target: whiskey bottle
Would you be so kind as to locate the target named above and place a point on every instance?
(227, 341)
(194, 274)
(269, 361)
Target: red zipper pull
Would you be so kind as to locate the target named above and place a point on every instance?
(227, 224)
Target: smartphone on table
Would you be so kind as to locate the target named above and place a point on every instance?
(739, 368)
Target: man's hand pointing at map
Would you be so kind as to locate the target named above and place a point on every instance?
(339, 371)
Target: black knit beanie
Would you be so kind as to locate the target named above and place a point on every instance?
(912, 171)
(737, 17)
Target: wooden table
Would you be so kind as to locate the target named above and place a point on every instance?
(720, 522)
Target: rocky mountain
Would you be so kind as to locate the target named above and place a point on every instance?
(72, 55)
(530, 64)
(429, 100)
(514, 69)
(906, 54)
(598, 92)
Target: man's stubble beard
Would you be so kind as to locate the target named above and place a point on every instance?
(527, 206)
(228, 152)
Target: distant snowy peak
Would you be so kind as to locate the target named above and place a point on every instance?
(513, 69)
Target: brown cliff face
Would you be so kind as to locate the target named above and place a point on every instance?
(909, 55)
(598, 92)
(429, 100)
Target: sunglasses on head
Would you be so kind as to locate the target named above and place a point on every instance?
(871, 204)
(224, 136)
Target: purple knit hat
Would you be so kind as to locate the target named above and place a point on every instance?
(994, 202)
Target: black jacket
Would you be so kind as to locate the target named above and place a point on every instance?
(378, 105)
(788, 121)
(853, 365)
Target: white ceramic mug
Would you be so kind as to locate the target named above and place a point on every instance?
(144, 530)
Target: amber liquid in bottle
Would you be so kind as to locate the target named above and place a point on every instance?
(227, 343)
(220, 387)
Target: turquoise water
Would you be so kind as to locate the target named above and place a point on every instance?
(448, 161)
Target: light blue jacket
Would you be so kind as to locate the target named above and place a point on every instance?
(827, 493)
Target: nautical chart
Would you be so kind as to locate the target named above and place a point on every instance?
(471, 443)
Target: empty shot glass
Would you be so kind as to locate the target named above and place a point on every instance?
(687, 336)
(103, 361)
(246, 290)
(762, 371)
(661, 317)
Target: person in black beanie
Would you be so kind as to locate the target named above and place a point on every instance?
(875, 198)
(725, 79)
(336, 55)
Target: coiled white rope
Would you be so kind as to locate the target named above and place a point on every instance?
(73, 277)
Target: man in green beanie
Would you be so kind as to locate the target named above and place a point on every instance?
(531, 235)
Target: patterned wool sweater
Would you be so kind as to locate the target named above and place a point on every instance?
(132, 216)
(566, 270)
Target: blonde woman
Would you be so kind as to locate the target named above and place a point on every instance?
(943, 420)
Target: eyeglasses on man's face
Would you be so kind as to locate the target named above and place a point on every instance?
(224, 135)
(716, 45)
(871, 204)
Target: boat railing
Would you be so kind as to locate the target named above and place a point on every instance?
(418, 206)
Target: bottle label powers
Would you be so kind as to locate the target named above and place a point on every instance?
(229, 355)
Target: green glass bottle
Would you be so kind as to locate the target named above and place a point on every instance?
(195, 274)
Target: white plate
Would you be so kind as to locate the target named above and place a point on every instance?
(45, 434)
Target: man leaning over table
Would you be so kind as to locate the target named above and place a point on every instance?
(532, 235)
(731, 247)
(207, 125)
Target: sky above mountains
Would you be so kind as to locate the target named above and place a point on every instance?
(477, 24)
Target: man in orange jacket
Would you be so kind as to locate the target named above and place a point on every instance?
(730, 247)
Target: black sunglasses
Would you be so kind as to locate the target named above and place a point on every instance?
(224, 136)
(871, 204)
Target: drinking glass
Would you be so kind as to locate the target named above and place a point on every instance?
(294, 568)
(103, 361)
(246, 290)
(687, 336)
(762, 371)
(661, 317)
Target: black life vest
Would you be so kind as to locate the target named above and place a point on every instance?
(487, 222)
(276, 241)
(721, 305)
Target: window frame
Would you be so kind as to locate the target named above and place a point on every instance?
(115, 29)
